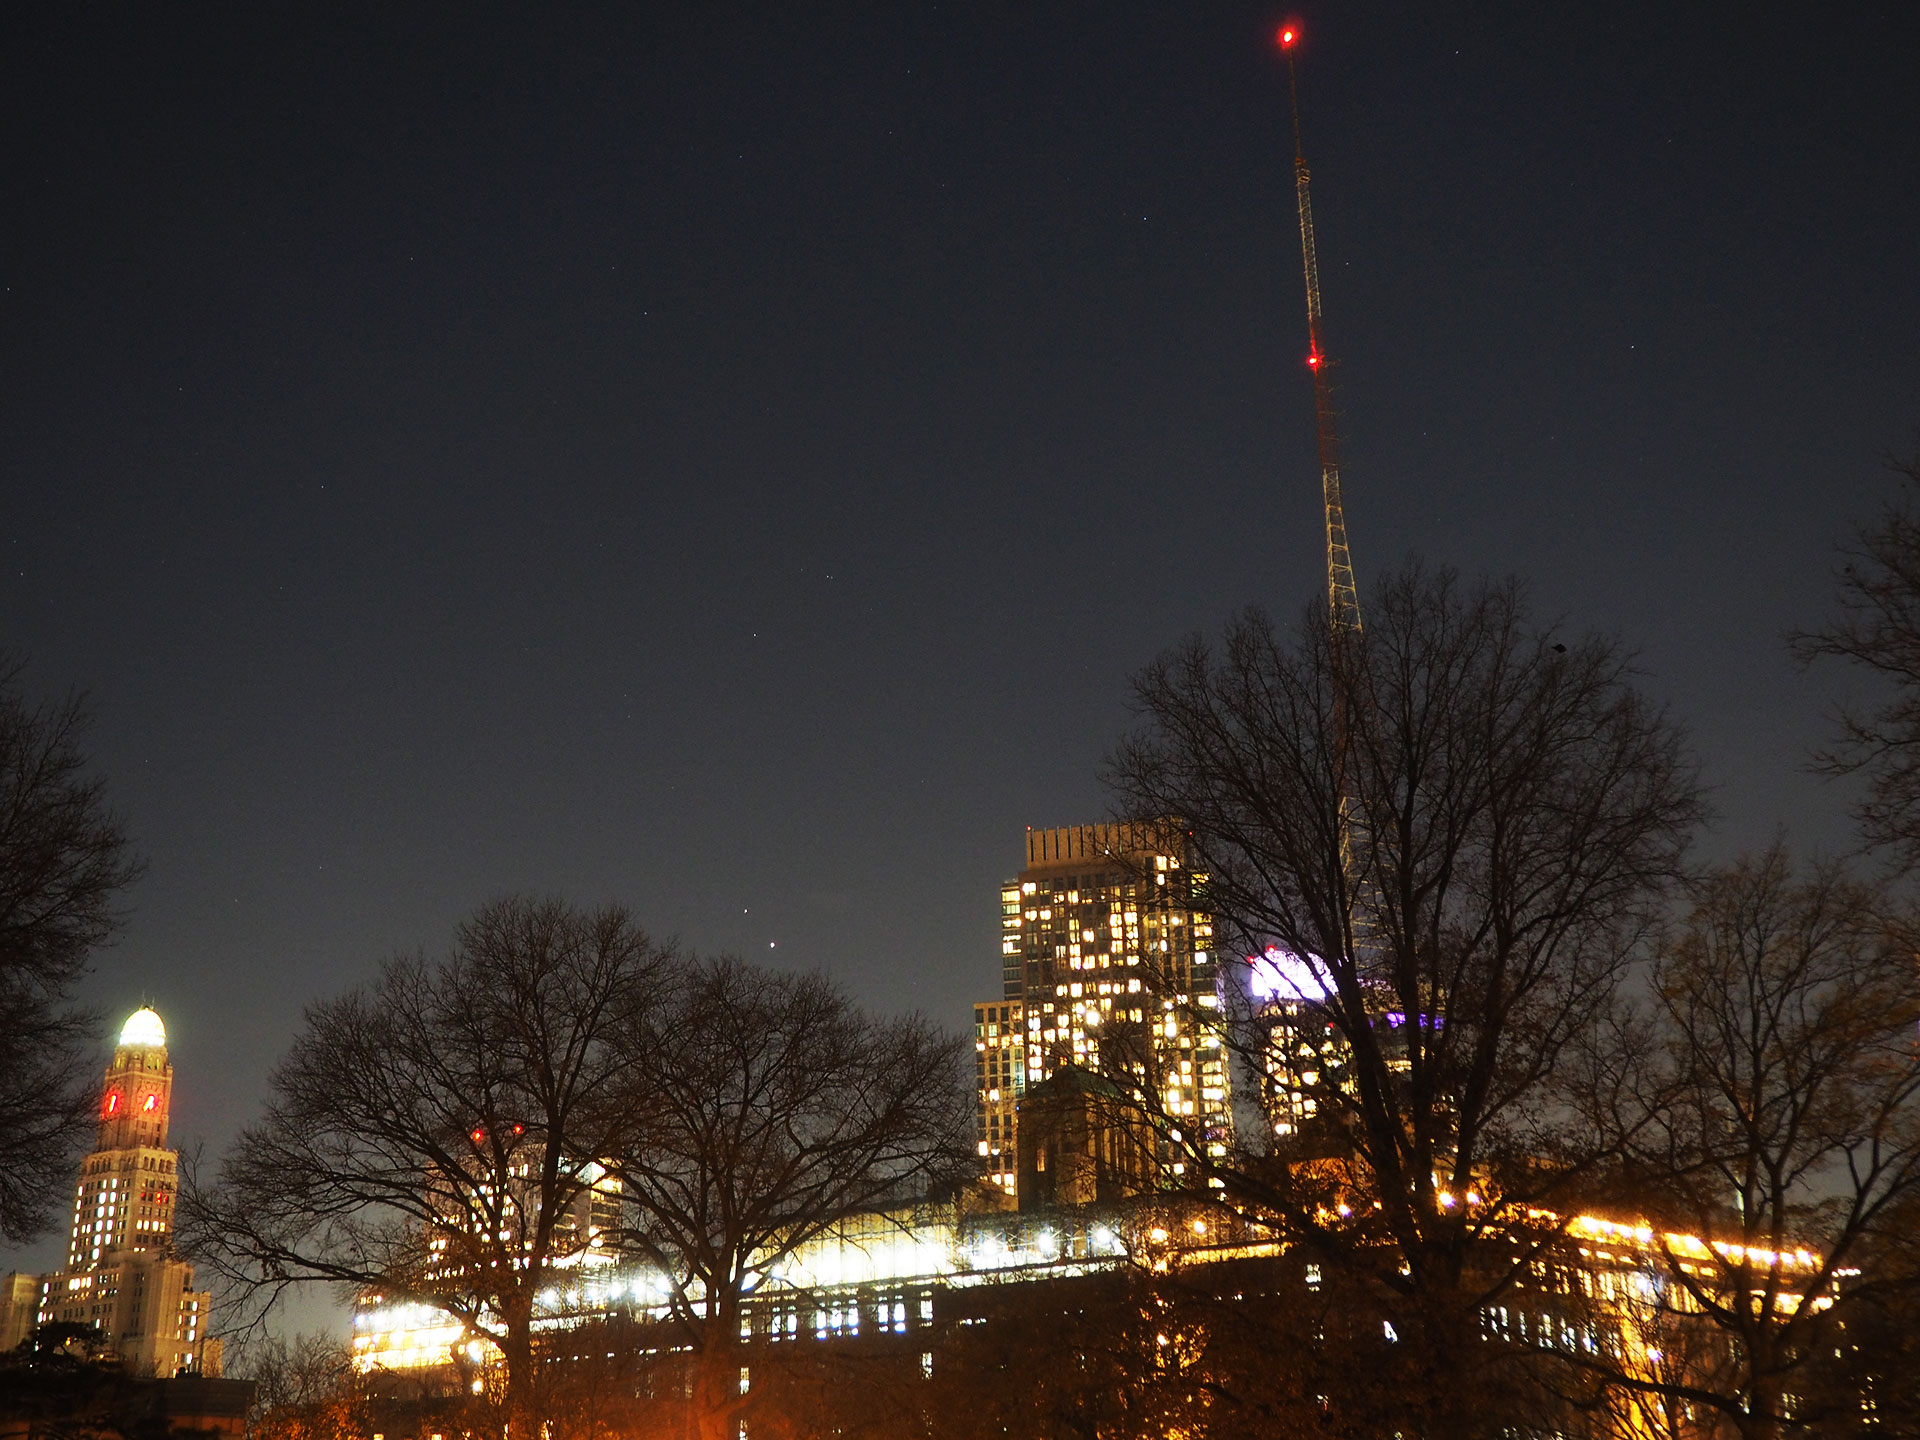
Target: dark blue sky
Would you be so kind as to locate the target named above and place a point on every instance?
(730, 459)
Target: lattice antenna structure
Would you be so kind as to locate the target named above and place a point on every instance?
(1343, 600)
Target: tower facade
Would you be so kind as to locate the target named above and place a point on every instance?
(122, 1274)
(1107, 946)
(1000, 1076)
(124, 1201)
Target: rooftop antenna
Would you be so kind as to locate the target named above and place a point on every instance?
(1343, 601)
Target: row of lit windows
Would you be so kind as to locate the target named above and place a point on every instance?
(889, 1313)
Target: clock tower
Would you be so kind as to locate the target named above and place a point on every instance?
(139, 1087)
(125, 1197)
(122, 1274)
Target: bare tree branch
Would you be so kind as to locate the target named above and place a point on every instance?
(64, 861)
(1781, 1123)
(438, 1136)
(1457, 831)
(774, 1108)
(1878, 629)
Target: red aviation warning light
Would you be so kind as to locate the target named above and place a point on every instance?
(1343, 603)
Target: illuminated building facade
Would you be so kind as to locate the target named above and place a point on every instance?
(1306, 1076)
(1305, 1055)
(1116, 965)
(19, 1308)
(870, 1274)
(497, 1220)
(1000, 1079)
(122, 1274)
(916, 1279)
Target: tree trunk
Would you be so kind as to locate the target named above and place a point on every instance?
(717, 1400)
(516, 1349)
(1763, 1398)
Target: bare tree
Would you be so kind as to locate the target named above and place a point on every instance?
(602, 1379)
(64, 859)
(1448, 836)
(1781, 1132)
(305, 1389)
(1874, 1369)
(1878, 628)
(773, 1107)
(437, 1137)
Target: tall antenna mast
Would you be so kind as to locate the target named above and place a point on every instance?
(1343, 601)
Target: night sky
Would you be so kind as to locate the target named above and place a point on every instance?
(730, 459)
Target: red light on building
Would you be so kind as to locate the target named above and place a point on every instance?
(113, 1104)
(1313, 362)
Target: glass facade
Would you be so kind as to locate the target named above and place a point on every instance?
(1107, 933)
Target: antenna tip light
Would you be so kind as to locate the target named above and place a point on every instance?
(1288, 34)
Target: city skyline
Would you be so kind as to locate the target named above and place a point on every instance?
(745, 493)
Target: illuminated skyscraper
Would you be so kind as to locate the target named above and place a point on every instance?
(125, 1197)
(1107, 933)
(1000, 1075)
(121, 1273)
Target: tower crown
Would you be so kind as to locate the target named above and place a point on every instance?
(143, 1028)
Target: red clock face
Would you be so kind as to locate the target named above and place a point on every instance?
(152, 1102)
(113, 1102)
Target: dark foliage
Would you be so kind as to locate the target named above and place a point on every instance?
(64, 860)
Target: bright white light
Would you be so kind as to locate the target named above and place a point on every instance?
(1282, 975)
(143, 1028)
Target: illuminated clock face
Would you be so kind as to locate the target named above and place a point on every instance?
(113, 1102)
(152, 1102)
